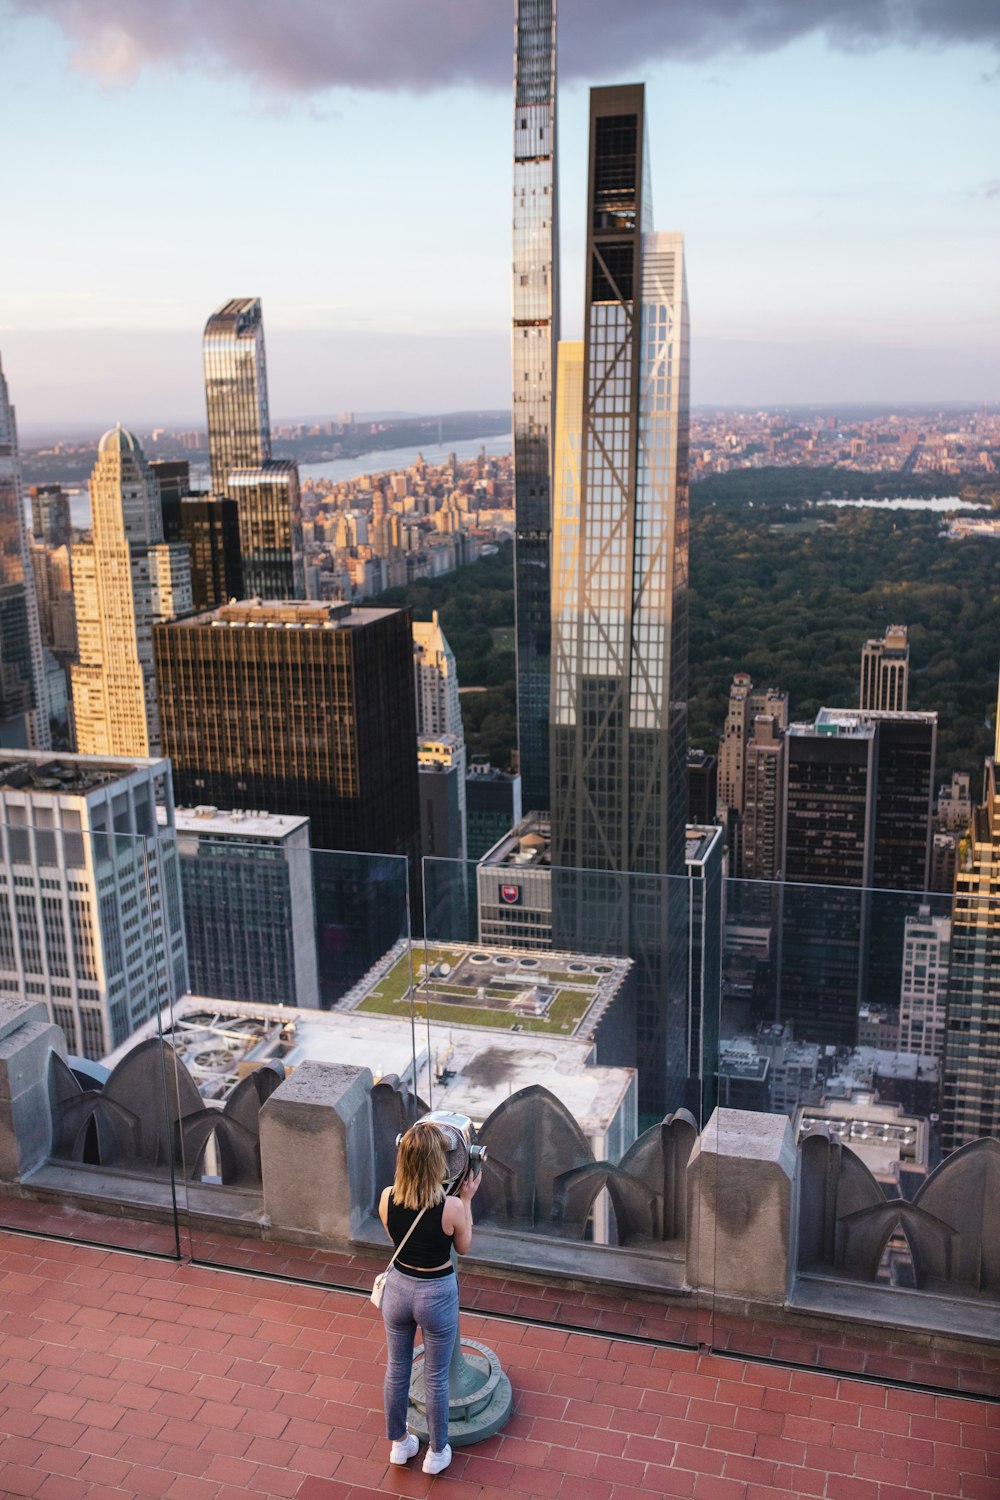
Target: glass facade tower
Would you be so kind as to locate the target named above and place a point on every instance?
(239, 427)
(535, 330)
(239, 445)
(619, 590)
(24, 720)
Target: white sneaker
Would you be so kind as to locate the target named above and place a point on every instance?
(403, 1449)
(435, 1462)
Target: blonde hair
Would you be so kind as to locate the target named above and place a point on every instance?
(421, 1167)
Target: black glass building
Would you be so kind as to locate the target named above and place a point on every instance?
(306, 709)
(535, 331)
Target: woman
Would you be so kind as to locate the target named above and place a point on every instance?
(422, 1286)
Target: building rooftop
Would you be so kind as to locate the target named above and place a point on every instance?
(528, 843)
(72, 775)
(130, 1376)
(213, 822)
(291, 613)
(508, 990)
(459, 1067)
(700, 840)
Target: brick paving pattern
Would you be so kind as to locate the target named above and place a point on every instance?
(124, 1377)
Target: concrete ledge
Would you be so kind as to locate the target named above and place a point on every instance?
(895, 1307)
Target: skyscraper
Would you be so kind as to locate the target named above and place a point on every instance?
(50, 518)
(619, 588)
(440, 733)
(306, 709)
(970, 1089)
(24, 718)
(885, 671)
(91, 923)
(535, 332)
(239, 426)
(124, 581)
(239, 444)
(857, 814)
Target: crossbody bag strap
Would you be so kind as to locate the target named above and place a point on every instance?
(406, 1236)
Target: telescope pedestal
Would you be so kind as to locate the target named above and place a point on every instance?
(480, 1397)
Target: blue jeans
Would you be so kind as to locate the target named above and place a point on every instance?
(434, 1305)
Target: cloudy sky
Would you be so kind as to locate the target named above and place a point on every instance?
(832, 163)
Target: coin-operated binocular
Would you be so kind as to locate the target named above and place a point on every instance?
(479, 1393)
(464, 1154)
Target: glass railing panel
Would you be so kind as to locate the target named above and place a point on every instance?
(300, 977)
(856, 1086)
(567, 1012)
(92, 956)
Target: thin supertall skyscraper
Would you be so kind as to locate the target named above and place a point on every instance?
(619, 590)
(535, 332)
(239, 443)
(24, 719)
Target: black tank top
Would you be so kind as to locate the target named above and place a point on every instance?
(428, 1245)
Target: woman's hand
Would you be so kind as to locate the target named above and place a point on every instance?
(470, 1187)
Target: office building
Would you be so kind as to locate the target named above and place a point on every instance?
(619, 591)
(923, 995)
(970, 1102)
(307, 709)
(239, 426)
(514, 882)
(534, 338)
(703, 858)
(266, 490)
(763, 791)
(50, 518)
(741, 714)
(441, 771)
(269, 507)
(209, 526)
(173, 482)
(90, 905)
(439, 722)
(703, 791)
(954, 807)
(23, 718)
(493, 805)
(247, 884)
(857, 811)
(885, 671)
(125, 580)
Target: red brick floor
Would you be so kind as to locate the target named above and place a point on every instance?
(124, 1377)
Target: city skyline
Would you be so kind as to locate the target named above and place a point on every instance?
(819, 196)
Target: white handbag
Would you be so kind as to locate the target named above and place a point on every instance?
(377, 1291)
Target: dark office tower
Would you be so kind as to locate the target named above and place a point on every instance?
(306, 709)
(535, 331)
(829, 811)
(269, 506)
(858, 804)
(50, 519)
(210, 526)
(173, 482)
(970, 1102)
(239, 427)
(619, 587)
(703, 780)
(24, 720)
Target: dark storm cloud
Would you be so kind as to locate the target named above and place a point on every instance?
(300, 46)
